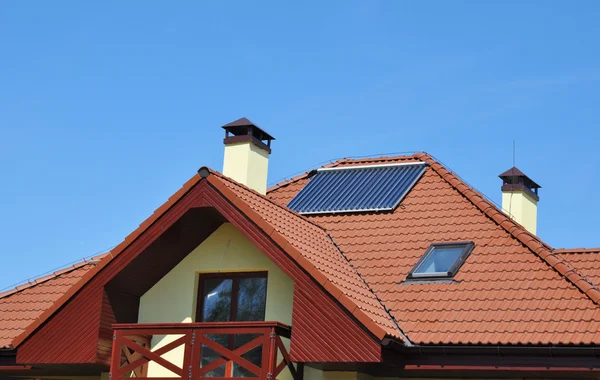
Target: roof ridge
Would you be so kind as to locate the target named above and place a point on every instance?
(332, 164)
(538, 247)
(40, 280)
(287, 182)
(576, 250)
(400, 330)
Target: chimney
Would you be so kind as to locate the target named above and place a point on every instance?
(247, 149)
(520, 198)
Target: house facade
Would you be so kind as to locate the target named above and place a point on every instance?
(388, 267)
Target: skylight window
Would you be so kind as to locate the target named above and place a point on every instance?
(441, 260)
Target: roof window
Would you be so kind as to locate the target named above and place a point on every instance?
(441, 260)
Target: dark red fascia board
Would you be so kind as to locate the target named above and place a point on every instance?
(494, 368)
(15, 367)
(494, 356)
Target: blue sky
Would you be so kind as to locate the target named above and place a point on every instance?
(107, 108)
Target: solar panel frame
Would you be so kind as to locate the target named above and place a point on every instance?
(364, 188)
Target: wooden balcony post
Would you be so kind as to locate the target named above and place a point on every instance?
(272, 364)
(115, 356)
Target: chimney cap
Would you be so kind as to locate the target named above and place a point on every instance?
(242, 127)
(515, 172)
(513, 180)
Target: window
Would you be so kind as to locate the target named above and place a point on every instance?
(441, 260)
(226, 297)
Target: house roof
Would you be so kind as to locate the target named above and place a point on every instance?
(585, 260)
(512, 289)
(307, 243)
(21, 306)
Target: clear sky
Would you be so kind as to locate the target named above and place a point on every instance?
(107, 108)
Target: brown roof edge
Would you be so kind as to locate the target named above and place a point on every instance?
(40, 280)
(542, 250)
(577, 250)
(105, 260)
(365, 320)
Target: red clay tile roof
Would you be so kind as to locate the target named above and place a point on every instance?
(512, 289)
(586, 260)
(24, 304)
(303, 240)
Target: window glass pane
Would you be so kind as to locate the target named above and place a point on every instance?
(439, 260)
(217, 300)
(254, 355)
(252, 299)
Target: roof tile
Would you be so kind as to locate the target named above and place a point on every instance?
(511, 289)
(20, 307)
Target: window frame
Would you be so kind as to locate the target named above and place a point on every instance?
(235, 277)
(467, 246)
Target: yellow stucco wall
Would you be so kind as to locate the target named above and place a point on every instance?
(317, 374)
(247, 164)
(173, 298)
(522, 207)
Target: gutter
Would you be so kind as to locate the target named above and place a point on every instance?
(499, 350)
(492, 356)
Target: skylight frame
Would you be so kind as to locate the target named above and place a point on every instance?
(391, 207)
(467, 247)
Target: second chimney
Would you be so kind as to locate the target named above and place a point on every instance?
(247, 149)
(520, 198)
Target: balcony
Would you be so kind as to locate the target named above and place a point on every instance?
(191, 351)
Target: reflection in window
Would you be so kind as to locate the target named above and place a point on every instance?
(442, 260)
(251, 299)
(217, 300)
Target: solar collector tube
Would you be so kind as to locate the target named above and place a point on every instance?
(357, 189)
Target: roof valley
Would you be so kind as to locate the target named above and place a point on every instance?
(406, 339)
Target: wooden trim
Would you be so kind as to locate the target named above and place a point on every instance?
(15, 367)
(234, 276)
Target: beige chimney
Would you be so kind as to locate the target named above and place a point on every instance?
(520, 198)
(247, 149)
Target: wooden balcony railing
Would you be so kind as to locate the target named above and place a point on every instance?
(191, 351)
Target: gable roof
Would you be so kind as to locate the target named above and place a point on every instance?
(24, 304)
(307, 243)
(513, 289)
